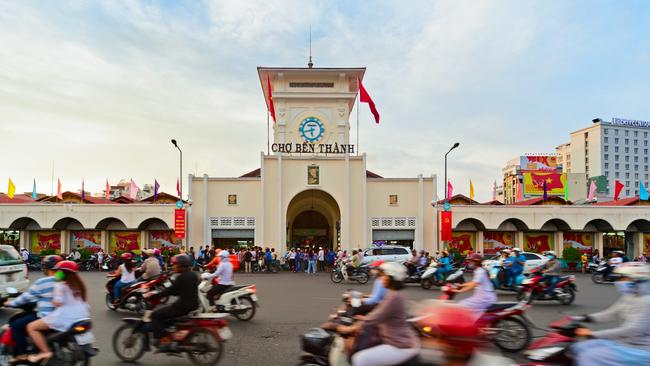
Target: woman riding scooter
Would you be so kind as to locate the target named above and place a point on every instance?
(484, 295)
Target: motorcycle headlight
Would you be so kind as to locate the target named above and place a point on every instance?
(542, 353)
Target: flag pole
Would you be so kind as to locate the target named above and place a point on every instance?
(268, 139)
(358, 97)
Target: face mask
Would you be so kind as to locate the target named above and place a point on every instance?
(625, 287)
(59, 275)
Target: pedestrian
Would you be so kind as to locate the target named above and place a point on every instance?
(298, 260)
(331, 256)
(311, 262)
(248, 256)
(292, 260)
(321, 259)
(192, 256)
(583, 260)
(100, 258)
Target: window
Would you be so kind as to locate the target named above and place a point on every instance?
(627, 133)
(636, 159)
(645, 134)
(636, 133)
(392, 199)
(627, 175)
(645, 143)
(627, 150)
(531, 257)
(627, 158)
(615, 148)
(645, 168)
(636, 175)
(605, 131)
(636, 166)
(636, 150)
(646, 177)
(232, 199)
(636, 142)
(606, 148)
(645, 151)
(627, 166)
(606, 165)
(616, 132)
(645, 159)
(617, 174)
(636, 184)
(606, 173)
(616, 166)
(606, 139)
(627, 141)
(627, 192)
(636, 192)
(615, 157)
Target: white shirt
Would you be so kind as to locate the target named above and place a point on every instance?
(224, 272)
(126, 275)
(25, 256)
(321, 255)
(615, 261)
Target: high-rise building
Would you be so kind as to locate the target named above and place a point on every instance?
(610, 151)
(564, 157)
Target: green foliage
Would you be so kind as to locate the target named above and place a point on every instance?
(85, 254)
(48, 251)
(571, 255)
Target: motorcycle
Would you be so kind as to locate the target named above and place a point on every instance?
(273, 267)
(90, 264)
(534, 288)
(238, 301)
(34, 263)
(505, 324)
(71, 347)
(554, 349)
(361, 274)
(598, 276)
(131, 297)
(429, 277)
(199, 336)
(593, 266)
(498, 275)
(109, 263)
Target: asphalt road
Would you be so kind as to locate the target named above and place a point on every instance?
(290, 305)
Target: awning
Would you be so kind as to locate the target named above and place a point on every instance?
(393, 235)
(233, 233)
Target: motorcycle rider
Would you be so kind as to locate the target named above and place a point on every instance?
(40, 292)
(484, 295)
(225, 274)
(612, 263)
(398, 342)
(444, 266)
(628, 344)
(378, 289)
(185, 288)
(518, 263)
(150, 267)
(552, 272)
(126, 273)
(352, 265)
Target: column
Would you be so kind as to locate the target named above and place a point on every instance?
(598, 242)
(479, 242)
(367, 235)
(520, 240)
(23, 240)
(345, 218)
(434, 237)
(103, 236)
(281, 217)
(65, 245)
(259, 223)
(558, 238)
(207, 233)
(638, 244)
(419, 223)
(144, 242)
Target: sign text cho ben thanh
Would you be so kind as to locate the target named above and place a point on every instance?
(308, 148)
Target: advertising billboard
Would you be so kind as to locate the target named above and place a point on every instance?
(584, 242)
(539, 242)
(89, 240)
(124, 241)
(538, 162)
(41, 240)
(534, 183)
(494, 241)
(463, 241)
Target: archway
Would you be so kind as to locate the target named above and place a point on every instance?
(313, 218)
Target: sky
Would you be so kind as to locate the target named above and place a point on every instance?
(96, 89)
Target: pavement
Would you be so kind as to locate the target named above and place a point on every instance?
(291, 304)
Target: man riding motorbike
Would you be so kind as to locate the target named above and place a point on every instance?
(628, 344)
(353, 264)
(613, 262)
(552, 271)
(517, 268)
(225, 274)
(444, 266)
(378, 290)
(151, 266)
(484, 295)
(185, 288)
(41, 293)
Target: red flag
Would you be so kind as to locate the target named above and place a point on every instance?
(538, 244)
(271, 105)
(127, 241)
(178, 187)
(552, 180)
(618, 189)
(59, 194)
(107, 193)
(445, 225)
(364, 97)
(462, 242)
(450, 189)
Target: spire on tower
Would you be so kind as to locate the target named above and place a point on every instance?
(310, 64)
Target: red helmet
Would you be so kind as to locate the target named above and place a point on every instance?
(376, 263)
(126, 256)
(68, 266)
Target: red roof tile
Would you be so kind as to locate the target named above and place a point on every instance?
(18, 198)
(621, 202)
(540, 201)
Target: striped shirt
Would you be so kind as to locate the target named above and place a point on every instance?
(41, 293)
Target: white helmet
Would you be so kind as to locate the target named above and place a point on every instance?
(395, 270)
(516, 250)
(550, 252)
(224, 254)
(638, 271)
(507, 251)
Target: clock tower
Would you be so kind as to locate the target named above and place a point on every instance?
(312, 106)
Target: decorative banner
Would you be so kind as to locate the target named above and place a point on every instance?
(445, 225)
(539, 162)
(538, 242)
(179, 223)
(89, 240)
(613, 242)
(534, 183)
(124, 241)
(584, 242)
(464, 241)
(646, 242)
(163, 238)
(494, 241)
(41, 240)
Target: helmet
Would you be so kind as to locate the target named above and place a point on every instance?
(49, 261)
(376, 264)
(68, 266)
(126, 256)
(395, 270)
(516, 250)
(505, 250)
(476, 258)
(622, 253)
(550, 252)
(637, 271)
(148, 251)
(156, 251)
(182, 260)
(223, 254)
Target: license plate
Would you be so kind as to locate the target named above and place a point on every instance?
(84, 338)
(225, 333)
(254, 297)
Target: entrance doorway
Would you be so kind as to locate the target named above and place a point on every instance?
(313, 219)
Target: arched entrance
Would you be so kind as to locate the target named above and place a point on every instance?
(313, 218)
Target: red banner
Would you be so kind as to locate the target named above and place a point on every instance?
(179, 223)
(445, 225)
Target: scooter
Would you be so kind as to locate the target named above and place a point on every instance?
(599, 277)
(498, 275)
(534, 288)
(238, 301)
(429, 277)
(71, 347)
(554, 349)
(360, 274)
(131, 296)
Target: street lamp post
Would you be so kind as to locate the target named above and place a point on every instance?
(446, 182)
(181, 171)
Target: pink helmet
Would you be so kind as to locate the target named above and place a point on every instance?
(156, 251)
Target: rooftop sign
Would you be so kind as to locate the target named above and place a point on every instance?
(630, 122)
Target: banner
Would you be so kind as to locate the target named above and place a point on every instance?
(445, 225)
(494, 241)
(179, 223)
(124, 241)
(41, 240)
(463, 241)
(539, 162)
(538, 242)
(584, 242)
(163, 238)
(534, 183)
(613, 242)
(89, 240)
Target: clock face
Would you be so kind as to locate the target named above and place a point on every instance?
(311, 129)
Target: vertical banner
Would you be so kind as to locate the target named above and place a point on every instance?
(122, 241)
(495, 241)
(538, 242)
(584, 242)
(179, 223)
(45, 240)
(463, 241)
(445, 225)
(89, 240)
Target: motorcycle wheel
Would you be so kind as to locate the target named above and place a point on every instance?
(525, 295)
(363, 278)
(255, 268)
(109, 302)
(247, 314)
(598, 278)
(141, 306)
(208, 348)
(128, 343)
(274, 268)
(426, 283)
(336, 277)
(569, 298)
(512, 334)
